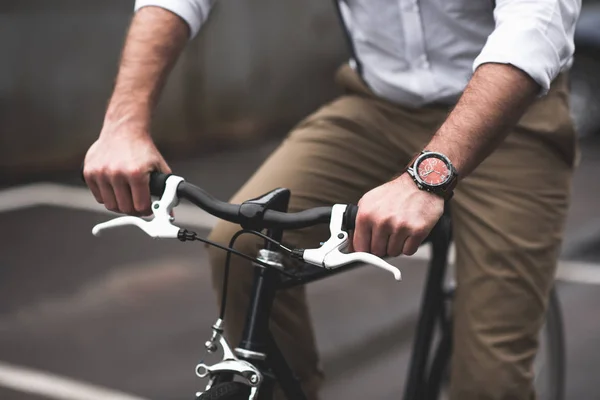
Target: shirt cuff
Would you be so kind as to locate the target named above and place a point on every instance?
(528, 49)
(190, 11)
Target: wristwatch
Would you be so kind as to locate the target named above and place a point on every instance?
(434, 173)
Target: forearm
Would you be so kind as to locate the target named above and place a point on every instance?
(155, 39)
(491, 105)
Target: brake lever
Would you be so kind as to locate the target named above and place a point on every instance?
(336, 258)
(160, 226)
(330, 254)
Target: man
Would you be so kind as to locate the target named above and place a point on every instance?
(479, 83)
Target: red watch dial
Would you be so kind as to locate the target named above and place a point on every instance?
(433, 171)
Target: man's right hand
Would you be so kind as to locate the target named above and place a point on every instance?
(117, 166)
(117, 169)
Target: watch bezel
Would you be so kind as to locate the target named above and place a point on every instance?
(439, 156)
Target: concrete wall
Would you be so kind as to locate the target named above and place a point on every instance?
(256, 68)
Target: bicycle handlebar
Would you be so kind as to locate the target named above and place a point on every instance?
(255, 215)
(239, 214)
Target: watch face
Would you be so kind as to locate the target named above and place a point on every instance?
(433, 170)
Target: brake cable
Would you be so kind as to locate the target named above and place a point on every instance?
(186, 235)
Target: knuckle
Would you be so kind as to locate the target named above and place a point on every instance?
(398, 223)
(135, 173)
(116, 173)
(381, 221)
(363, 218)
(418, 229)
(102, 172)
(388, 222)
(90, 173)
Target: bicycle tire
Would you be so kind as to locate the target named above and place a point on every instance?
(227, 391)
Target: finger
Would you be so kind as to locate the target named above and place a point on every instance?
(140, 191)
(122, 194)
(380, 236)
(411, 245)
(164, 167)
(362, 233)
(396, 243)
(350, 248)
(108, 196)
(94, 188)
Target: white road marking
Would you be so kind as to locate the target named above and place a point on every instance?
(81, 199)
(578, 272)
(55, 387)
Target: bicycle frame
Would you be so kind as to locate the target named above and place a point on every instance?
(259, 347)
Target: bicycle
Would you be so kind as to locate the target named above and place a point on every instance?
(250, 371)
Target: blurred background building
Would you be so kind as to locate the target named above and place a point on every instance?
(256, 68)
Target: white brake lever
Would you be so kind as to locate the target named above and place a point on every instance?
(336, 259)
(330, 255)
(161, 225)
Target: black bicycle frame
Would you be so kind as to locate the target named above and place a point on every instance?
(257, 337)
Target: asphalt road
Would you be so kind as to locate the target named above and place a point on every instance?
(129, 314)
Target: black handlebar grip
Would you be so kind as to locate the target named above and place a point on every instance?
(158, 181)
(350, 216)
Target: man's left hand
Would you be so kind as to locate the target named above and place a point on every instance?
(395, 218)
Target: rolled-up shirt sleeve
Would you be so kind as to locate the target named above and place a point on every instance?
(194, 12)
(536, 36)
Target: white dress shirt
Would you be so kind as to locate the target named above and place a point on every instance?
(415, 52)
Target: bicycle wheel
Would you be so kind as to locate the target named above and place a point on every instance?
(227, 391)
(549, 363)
